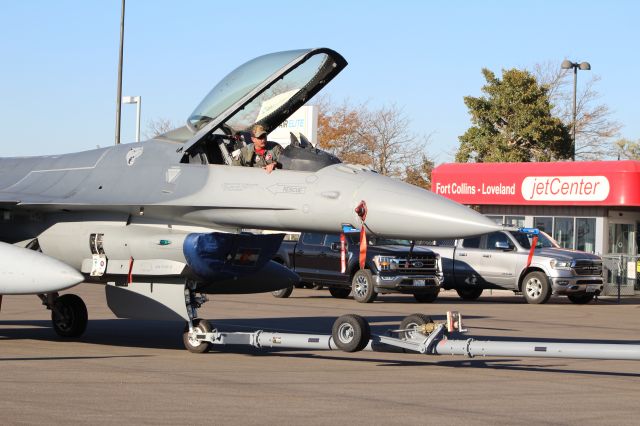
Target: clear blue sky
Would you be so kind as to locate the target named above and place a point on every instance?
(59, 58)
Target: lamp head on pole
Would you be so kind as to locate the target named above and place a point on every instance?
(567, 64)
(585, 66)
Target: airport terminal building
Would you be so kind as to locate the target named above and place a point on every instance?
(589, 206)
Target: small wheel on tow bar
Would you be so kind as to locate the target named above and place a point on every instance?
(411, 323)
(351, 333)
(581, 299)
(69, 316)
(194, 345)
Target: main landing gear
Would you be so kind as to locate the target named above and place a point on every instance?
(68, 314)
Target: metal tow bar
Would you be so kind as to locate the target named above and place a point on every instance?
(417, 333)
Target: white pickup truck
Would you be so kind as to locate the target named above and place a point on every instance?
(500, 260)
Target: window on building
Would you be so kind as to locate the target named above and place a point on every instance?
(586, 234)
(517, 221)
(544, 224)
(497, 219)
(563, 231)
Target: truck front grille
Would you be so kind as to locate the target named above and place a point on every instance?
(588, 267)
(416, 265)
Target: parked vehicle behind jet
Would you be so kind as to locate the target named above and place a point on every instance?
(500, 259)
(391, 266)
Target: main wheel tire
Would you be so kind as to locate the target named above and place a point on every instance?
(469, 293)
(339, 292)
(536, 288)
(411, 323)
(429, 297)
(362, 286)
(581, 299)
(193, 345)
(283, 293)
(69, 316)
(351, 333)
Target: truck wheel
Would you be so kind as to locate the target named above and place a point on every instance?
(426, 297)
(581, 299)
(339, 292)
(412, 322)
(362, 287)
(283, 293)
(469, 293)
(351, 333)
(536, 288)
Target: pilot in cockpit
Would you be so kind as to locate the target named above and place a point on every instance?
(261, 153)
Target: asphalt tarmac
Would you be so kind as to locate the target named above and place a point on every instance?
(137, 372)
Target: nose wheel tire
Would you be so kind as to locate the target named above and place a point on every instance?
(351, 333)
(69, 316)
(536, 288)
(191, 342)
(410, 324)
(362, 287)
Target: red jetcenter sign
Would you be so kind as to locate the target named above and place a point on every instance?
(608, 183)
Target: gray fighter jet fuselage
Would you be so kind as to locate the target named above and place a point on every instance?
(138, 217)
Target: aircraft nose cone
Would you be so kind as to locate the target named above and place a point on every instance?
(396, 209)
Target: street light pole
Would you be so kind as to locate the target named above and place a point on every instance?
(585, 66)
(119, 97)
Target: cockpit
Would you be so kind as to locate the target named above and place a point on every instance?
(265, 91)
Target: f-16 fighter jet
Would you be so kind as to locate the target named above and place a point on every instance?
(137, 218)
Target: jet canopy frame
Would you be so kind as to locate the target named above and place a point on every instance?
(265, 90)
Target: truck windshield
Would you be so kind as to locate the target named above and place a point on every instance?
(544, 240)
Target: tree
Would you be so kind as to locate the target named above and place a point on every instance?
(379, 139)
(341, 130)
(595, 129)
(628, 149)
(513, 122)
(420, 174)
(158, 127)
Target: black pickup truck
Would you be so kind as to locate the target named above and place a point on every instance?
(391, 266)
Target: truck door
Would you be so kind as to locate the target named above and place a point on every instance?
(500, 262)
(467, 259)
(307, 255)
(330, 260)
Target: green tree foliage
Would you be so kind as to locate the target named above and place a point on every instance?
(628, 150)
(513, 122)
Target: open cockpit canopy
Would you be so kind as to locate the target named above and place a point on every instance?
(265, 90)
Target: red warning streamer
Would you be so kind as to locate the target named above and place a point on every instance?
(534, 243)
(343, 254)
(130, 277)
(361, 211)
